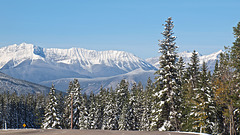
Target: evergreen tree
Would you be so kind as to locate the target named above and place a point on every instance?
(101, 103)
(110, 112)
(13, 111)
(219, 119)
(132, 108)
(39, 110)
(182, 107)
(6, 110)
(67, 110)
(93, 112)
(52, 118)
(123, 121)
(122, 95)
(79, 108)
(83, 119)
(61, 108)
(205, 104)
(167, 89)
(192, 86)
(147, 106)
(137, 96)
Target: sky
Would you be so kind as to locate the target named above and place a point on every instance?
(134, 26)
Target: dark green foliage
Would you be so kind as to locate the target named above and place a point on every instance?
(52, 117)
(18, 110)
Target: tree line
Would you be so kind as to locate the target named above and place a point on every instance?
(183, 97)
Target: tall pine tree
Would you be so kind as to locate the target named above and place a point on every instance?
(167, 89)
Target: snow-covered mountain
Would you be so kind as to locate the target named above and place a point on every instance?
(36, 64)
(93, 68)
(209, 59)
(10, 84)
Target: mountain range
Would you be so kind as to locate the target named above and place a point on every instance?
(92, 68)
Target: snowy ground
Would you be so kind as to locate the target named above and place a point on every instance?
(85, 132)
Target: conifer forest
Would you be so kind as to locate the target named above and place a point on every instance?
(182, 97)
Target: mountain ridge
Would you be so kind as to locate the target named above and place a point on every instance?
(93, 68)
(26, 60)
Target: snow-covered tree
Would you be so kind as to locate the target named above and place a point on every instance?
(181, 107)
(67, 110)
(101, 101)
(132, 108)
(192, 86)
(39, 109)
(123, 121)
(61, 108)
(122, 95)
(166, 90)
(147, 106)
(109, 112)
(92, 112)
(83, 119)
(79, 108)
(52, 118)
(205, 108)
(13, 116)
(135, 108)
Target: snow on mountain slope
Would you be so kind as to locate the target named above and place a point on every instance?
(94, 84)
(209, 59)
(36, 64)
(93, 68)
(10, 84)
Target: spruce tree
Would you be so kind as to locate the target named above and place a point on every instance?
(205, 102)
(192, 86)
(67, 109)
(93, 112)
(110, 112)
(39, 110)
(122, 95)
(13, 109)
(132, 108)
(181, 75)
(147, 106)
(138, 107)
(52, 118)
(79, 108)
(83, 119)
(101, 103)
(123, 121)
(61, 108)
(166, 92)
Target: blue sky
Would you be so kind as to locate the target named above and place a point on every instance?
(129, 25)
